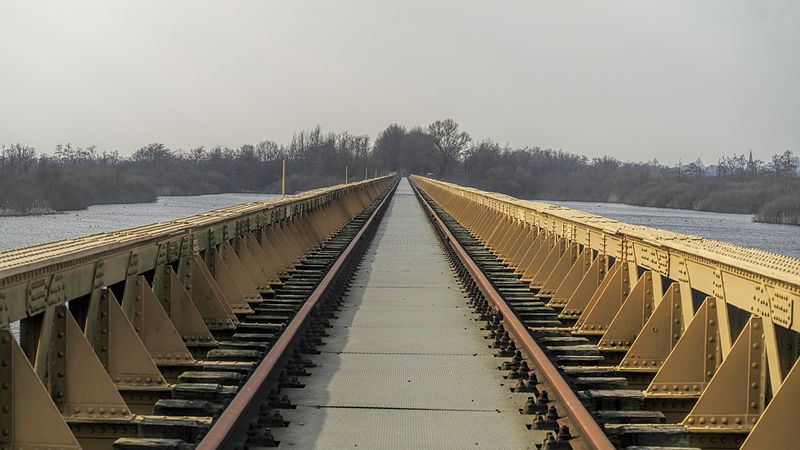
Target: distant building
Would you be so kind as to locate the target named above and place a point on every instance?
(751, 165)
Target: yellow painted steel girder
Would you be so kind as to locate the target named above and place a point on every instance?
(37, 277)
(713, 362)
(763, 283)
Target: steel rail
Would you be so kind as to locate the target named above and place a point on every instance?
(268, 370)
(579, 415)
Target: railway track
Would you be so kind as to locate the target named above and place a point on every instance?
(567, 390)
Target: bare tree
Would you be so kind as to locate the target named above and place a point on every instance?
(785, 163)
(449, 142)
(17, 157)
(694, 169)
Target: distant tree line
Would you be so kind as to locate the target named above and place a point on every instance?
(74, 177)
(736, 184)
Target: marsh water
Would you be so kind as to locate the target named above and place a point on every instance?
(24, 231)
(737, 229)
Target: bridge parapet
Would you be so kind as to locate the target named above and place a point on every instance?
(709, 325)
(108, 321)
(27, 273)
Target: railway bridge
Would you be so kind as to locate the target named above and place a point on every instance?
(397, 313)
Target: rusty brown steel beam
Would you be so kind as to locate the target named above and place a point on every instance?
(247, 399)
(577, 412)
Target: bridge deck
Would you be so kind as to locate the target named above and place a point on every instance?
(406, 365)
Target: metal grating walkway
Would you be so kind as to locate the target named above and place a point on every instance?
(406, 365)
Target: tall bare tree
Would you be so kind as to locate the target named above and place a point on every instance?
(449, 142)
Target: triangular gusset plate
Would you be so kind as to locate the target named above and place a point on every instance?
(26, 409)
(88, 392)
(735, 397)
(631, 317)
(658, 336)
(154, 327)
(690, 366)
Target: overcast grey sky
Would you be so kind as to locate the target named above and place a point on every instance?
(634, 79)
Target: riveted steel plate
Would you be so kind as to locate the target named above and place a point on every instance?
(392, 316)
(405, 340)
(462, 382)
(406, 296)
(363, 428)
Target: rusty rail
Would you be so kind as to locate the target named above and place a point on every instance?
(579, 415)
(233, 421)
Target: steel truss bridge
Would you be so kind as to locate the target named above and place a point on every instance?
(397, 313)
